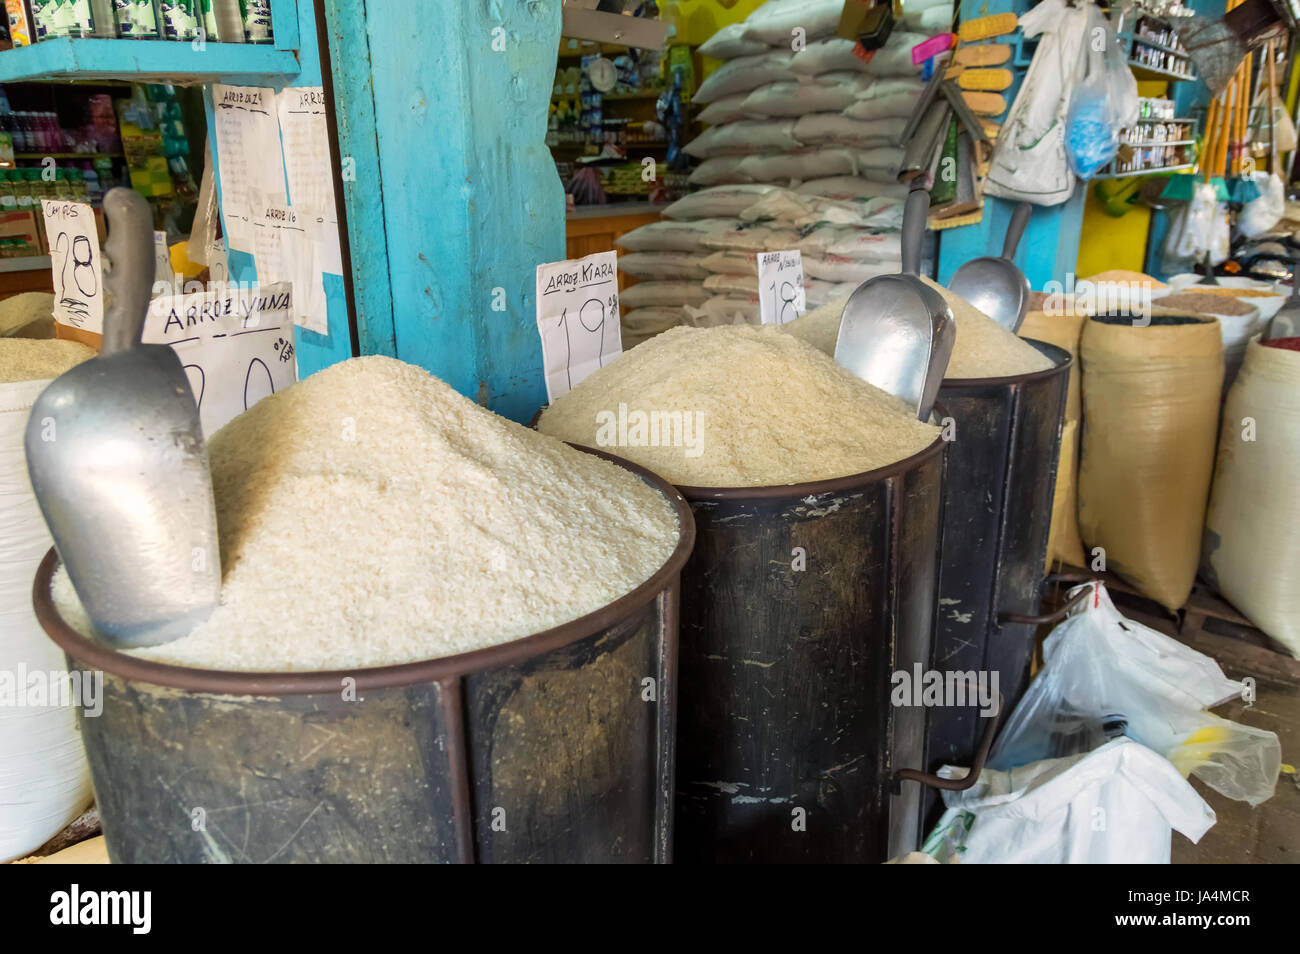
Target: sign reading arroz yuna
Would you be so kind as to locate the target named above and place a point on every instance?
(577, 316)
(236, 345)
(76, 263)
(781, 297)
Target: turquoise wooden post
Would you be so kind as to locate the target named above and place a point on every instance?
(295, 28)
(442, 112)
(1050, 246)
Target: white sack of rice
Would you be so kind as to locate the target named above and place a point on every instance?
(737, 406)
(370, 515)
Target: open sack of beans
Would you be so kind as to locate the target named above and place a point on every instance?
(1150, 419)
(1252, 548)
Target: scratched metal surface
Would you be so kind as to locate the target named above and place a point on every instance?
(997, 513)
(785, 673)
(566, 759)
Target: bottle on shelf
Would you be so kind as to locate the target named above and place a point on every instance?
(257, 21)
(105, 18)
(180, 19)
(138, 19)
(223, 20)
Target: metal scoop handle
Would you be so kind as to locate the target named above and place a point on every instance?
(915, 213)
(128, 280)
(1019, 219)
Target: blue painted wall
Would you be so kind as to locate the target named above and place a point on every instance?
(455, 199)
(1050, 246)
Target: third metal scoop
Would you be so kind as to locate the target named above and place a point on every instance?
(995, 285)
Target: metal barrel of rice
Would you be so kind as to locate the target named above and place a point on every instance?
(557, 747)
(787, 739)
(1001, 473)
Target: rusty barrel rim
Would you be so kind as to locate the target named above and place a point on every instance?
(814, 487)
(1049, 350)
(238, 683)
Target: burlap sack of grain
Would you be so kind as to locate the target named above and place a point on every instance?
(1063, 542)
(1252, 547)
(1150, 420)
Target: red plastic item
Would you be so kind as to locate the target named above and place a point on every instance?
(1289, 344)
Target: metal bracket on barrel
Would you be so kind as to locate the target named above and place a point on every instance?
(1058, 615)
(954, 784)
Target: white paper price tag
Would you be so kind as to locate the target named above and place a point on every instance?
(780, 287)
(236, 345)
(577, 317)
(76, 263)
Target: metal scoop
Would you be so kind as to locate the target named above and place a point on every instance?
(1286, 322)
(896, 331)
(119, 467)
(995, 285)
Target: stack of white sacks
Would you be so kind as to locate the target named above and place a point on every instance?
(802, 152)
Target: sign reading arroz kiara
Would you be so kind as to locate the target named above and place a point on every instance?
(236, 345)
(781, 297)
(577, 317)
(76, 263)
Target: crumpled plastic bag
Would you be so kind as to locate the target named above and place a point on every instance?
(1263, 212)
(1103, 103)
(1105, 676)
(1114, 805)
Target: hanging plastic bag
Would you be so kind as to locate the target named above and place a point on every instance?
(1115, 805)
(1103, 103)
(1200, 226)
(1106, 676)
(1029, 162)
(1260, 214)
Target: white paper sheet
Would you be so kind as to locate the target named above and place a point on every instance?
(283, 251)
(248, 155)
(236, 346)
(305, 135)
(781, 294)
(577, 317)
(76, 263)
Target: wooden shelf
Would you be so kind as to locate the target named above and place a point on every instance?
(1163, 170)
(65, 58)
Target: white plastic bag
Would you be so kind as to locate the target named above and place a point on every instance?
(1117, 804)
(1104, 102)
(1264, 211)
(1029, 161)
(1105, 676)
(1200, 226)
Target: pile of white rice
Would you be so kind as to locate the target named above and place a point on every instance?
(26, 359)
(756, 407)
(370, 515)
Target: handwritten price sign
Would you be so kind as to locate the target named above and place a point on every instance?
(577, 317)
(76, 263)
(781, 297)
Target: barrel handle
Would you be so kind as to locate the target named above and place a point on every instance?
(1055, 617)
(955, 784)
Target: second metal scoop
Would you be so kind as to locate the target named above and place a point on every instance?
(896, 331)
(1286, 322)
(119, 467)
(995, 285)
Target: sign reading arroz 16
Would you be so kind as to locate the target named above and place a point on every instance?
(781, 297)
(577, 317)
